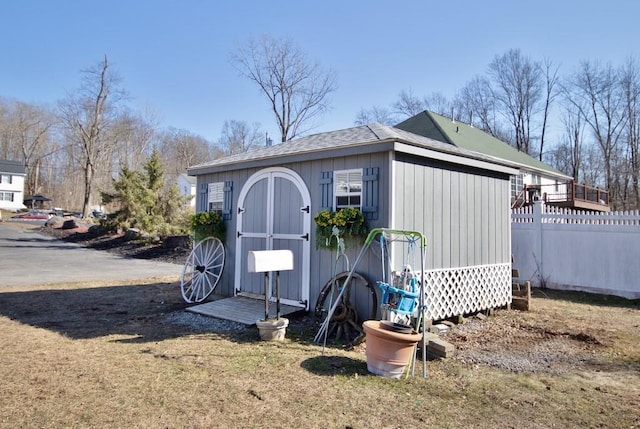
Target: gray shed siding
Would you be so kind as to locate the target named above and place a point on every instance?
(458, 200)
(238, 178)
(322, 261)
(464, 213)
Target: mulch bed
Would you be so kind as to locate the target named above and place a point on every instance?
(93, 237)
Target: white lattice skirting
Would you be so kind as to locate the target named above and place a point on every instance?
(456, 291)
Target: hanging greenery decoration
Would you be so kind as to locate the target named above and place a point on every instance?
(207, 224)
(349, 221)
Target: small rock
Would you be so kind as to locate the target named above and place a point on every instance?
(132, 233)
(96, 229)
(69, 224)
(440, 328)
(174, 241)
(54, 222)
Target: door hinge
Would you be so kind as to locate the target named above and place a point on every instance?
(240, 210)
(306, 236)
(304, 209)
(239, 234)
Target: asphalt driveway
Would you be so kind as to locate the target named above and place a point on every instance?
(30, 258)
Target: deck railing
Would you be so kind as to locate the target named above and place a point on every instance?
(572, 195)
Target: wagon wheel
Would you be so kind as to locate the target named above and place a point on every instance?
(345, 326)
(202, 270)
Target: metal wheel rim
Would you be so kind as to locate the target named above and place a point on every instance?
(203, 270)
(345, 325)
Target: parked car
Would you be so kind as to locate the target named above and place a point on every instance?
(32, 214)
(97, 214)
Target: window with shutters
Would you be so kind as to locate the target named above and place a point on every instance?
(216, 197)
(347, 188)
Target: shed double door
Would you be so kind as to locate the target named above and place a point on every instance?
(274, 214)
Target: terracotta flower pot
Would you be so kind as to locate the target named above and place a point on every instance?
(272, 329)
(388, 352)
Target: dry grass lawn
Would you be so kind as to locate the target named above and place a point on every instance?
(101, 355)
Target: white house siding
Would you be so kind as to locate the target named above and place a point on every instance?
(187, 189)
(17, 188)
(465, 216)
(555, 188)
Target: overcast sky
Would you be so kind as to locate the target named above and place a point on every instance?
(172, 56)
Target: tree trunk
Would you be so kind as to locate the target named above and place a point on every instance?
(88, 181)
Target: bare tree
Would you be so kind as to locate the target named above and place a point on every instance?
(180, 149)
(63, 176)
(630, 82)
(4, 129)
(378, 114)
(505, 104)
(32, 130)
(296, 88)
(409, 105)
(551, 80)
(517, 89)
(87, 116)
(25, 131)
(475, 105)
(134, 136)
(595, 91)
(239, 136)
(405, 106)
(438, 103)
(571, 160)
(593, 168)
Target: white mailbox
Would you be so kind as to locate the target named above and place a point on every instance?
(262, 261)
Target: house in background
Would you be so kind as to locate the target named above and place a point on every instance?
(12, 174)
(187, 187)
(38, 202)
(536, 180)
(457, 198)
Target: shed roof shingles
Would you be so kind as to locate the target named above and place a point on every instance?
(361, 135)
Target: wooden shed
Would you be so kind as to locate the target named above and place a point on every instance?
(459, 199)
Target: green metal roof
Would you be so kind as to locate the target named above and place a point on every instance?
(467, 137)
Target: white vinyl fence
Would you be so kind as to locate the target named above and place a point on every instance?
(575, 250)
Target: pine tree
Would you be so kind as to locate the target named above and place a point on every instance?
(145, 202)
(127, 197)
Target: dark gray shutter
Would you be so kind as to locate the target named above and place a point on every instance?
(326, 190)
(228, 200)
(204, 197)
(370, 192)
